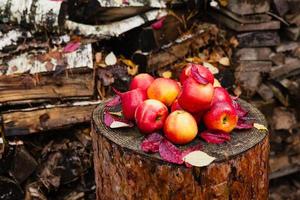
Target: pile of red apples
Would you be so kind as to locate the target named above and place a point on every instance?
(179, 108)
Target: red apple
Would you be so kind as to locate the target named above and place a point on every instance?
(130, 101)
(221, 94)
(180, 127)
(141, 81)
(203, 71)
(197, 116)
(221, 116)
(195, 97)
(175, 106)
(150, 116)
(163, 89)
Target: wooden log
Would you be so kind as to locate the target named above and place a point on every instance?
(32, 120)
(240, 27)
(253, 54)
(16, 89)
(291, 67)
(123, 171)
(258, 39)
(177, 50)
(246, 7)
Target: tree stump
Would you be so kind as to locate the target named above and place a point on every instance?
(123, 171)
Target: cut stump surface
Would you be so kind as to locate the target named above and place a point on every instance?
(124, 171)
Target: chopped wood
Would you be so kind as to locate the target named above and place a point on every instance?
(253, 53)
(177, 50)
(265, 92)
(289, 68)
(283, 119)
(239, 27)
(278, 163)
(246, 19)
(258, 39)
(246, 7)
(281, 6)
(32, 120)
(37, 61)
(287, 46)
(133, 3)
(292, 32)
(254, 66)
(293, 18)
(277, 58)
(30, 88)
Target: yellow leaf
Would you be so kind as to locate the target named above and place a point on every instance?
(260, 126)
(217, 83)
(224, 61)
(211, 68)
(198, 158)
(119, 114)
(132, 68)
(223, 2)
(110, 59)
(167, 74)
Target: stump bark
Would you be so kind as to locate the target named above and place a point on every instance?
(123, 171)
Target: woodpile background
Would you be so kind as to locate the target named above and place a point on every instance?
(58, 61)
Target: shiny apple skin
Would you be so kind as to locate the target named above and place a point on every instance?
(150, 116)
(142, 81)
(164, 89)
(203, 71)
(195, 97)
(180, 127)
(221, 94)
(221, 116)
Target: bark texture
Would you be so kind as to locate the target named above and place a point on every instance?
(124, 173)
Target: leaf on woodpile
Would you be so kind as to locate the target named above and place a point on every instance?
(115, 122)
(132, 68)
(110, 59)
(215, 137)
(114, 101)
(71, 46)
(158, 24)
(224, 61)
(217, 83)
(211, 68)
(197, 76)
(169, 152)
(167, 74)
(151, 143)
(223, 3)
(198, 159)
(260, 126)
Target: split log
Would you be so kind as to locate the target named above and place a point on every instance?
(290, 68)
(9, 189)
(292, 32)
(123, 171)
(239, 27)
(246, 7)
(258, 39)
(43, 60)
(177, 50)
(253, 54)
(32, 120)
(26, 88)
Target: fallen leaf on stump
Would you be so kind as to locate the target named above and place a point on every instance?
(169, 152)
(243, 124)
(151, 143)
(115, 122)
(198, 159)
(114, 101)
(260, 126)
(215, 137)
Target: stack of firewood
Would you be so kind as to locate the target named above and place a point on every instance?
(267, 70)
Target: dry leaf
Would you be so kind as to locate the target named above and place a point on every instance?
(260, 126)
(132, 68)
(224, 61)
(98, 57)
(119, 124)
(110, 59)
(119, 114)
(223, 3)
(237, 91)
(194, 59)
(234, 42)
(198, 158)
(211, 68)
(217, 83)
(167, 74)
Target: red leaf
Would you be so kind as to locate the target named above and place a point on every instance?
(215, 137)
(197, 76)
(151, 143)
(71, 46)
(169, 152)
(243, 124)
(241, 112)
(115, 122)
(158, 24)
(114, 101)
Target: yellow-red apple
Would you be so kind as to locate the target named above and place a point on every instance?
(221, 116)
(195, 97)
(163, 89)
(180, 127)
(150, 116)
(203, 71)
(142, 81)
